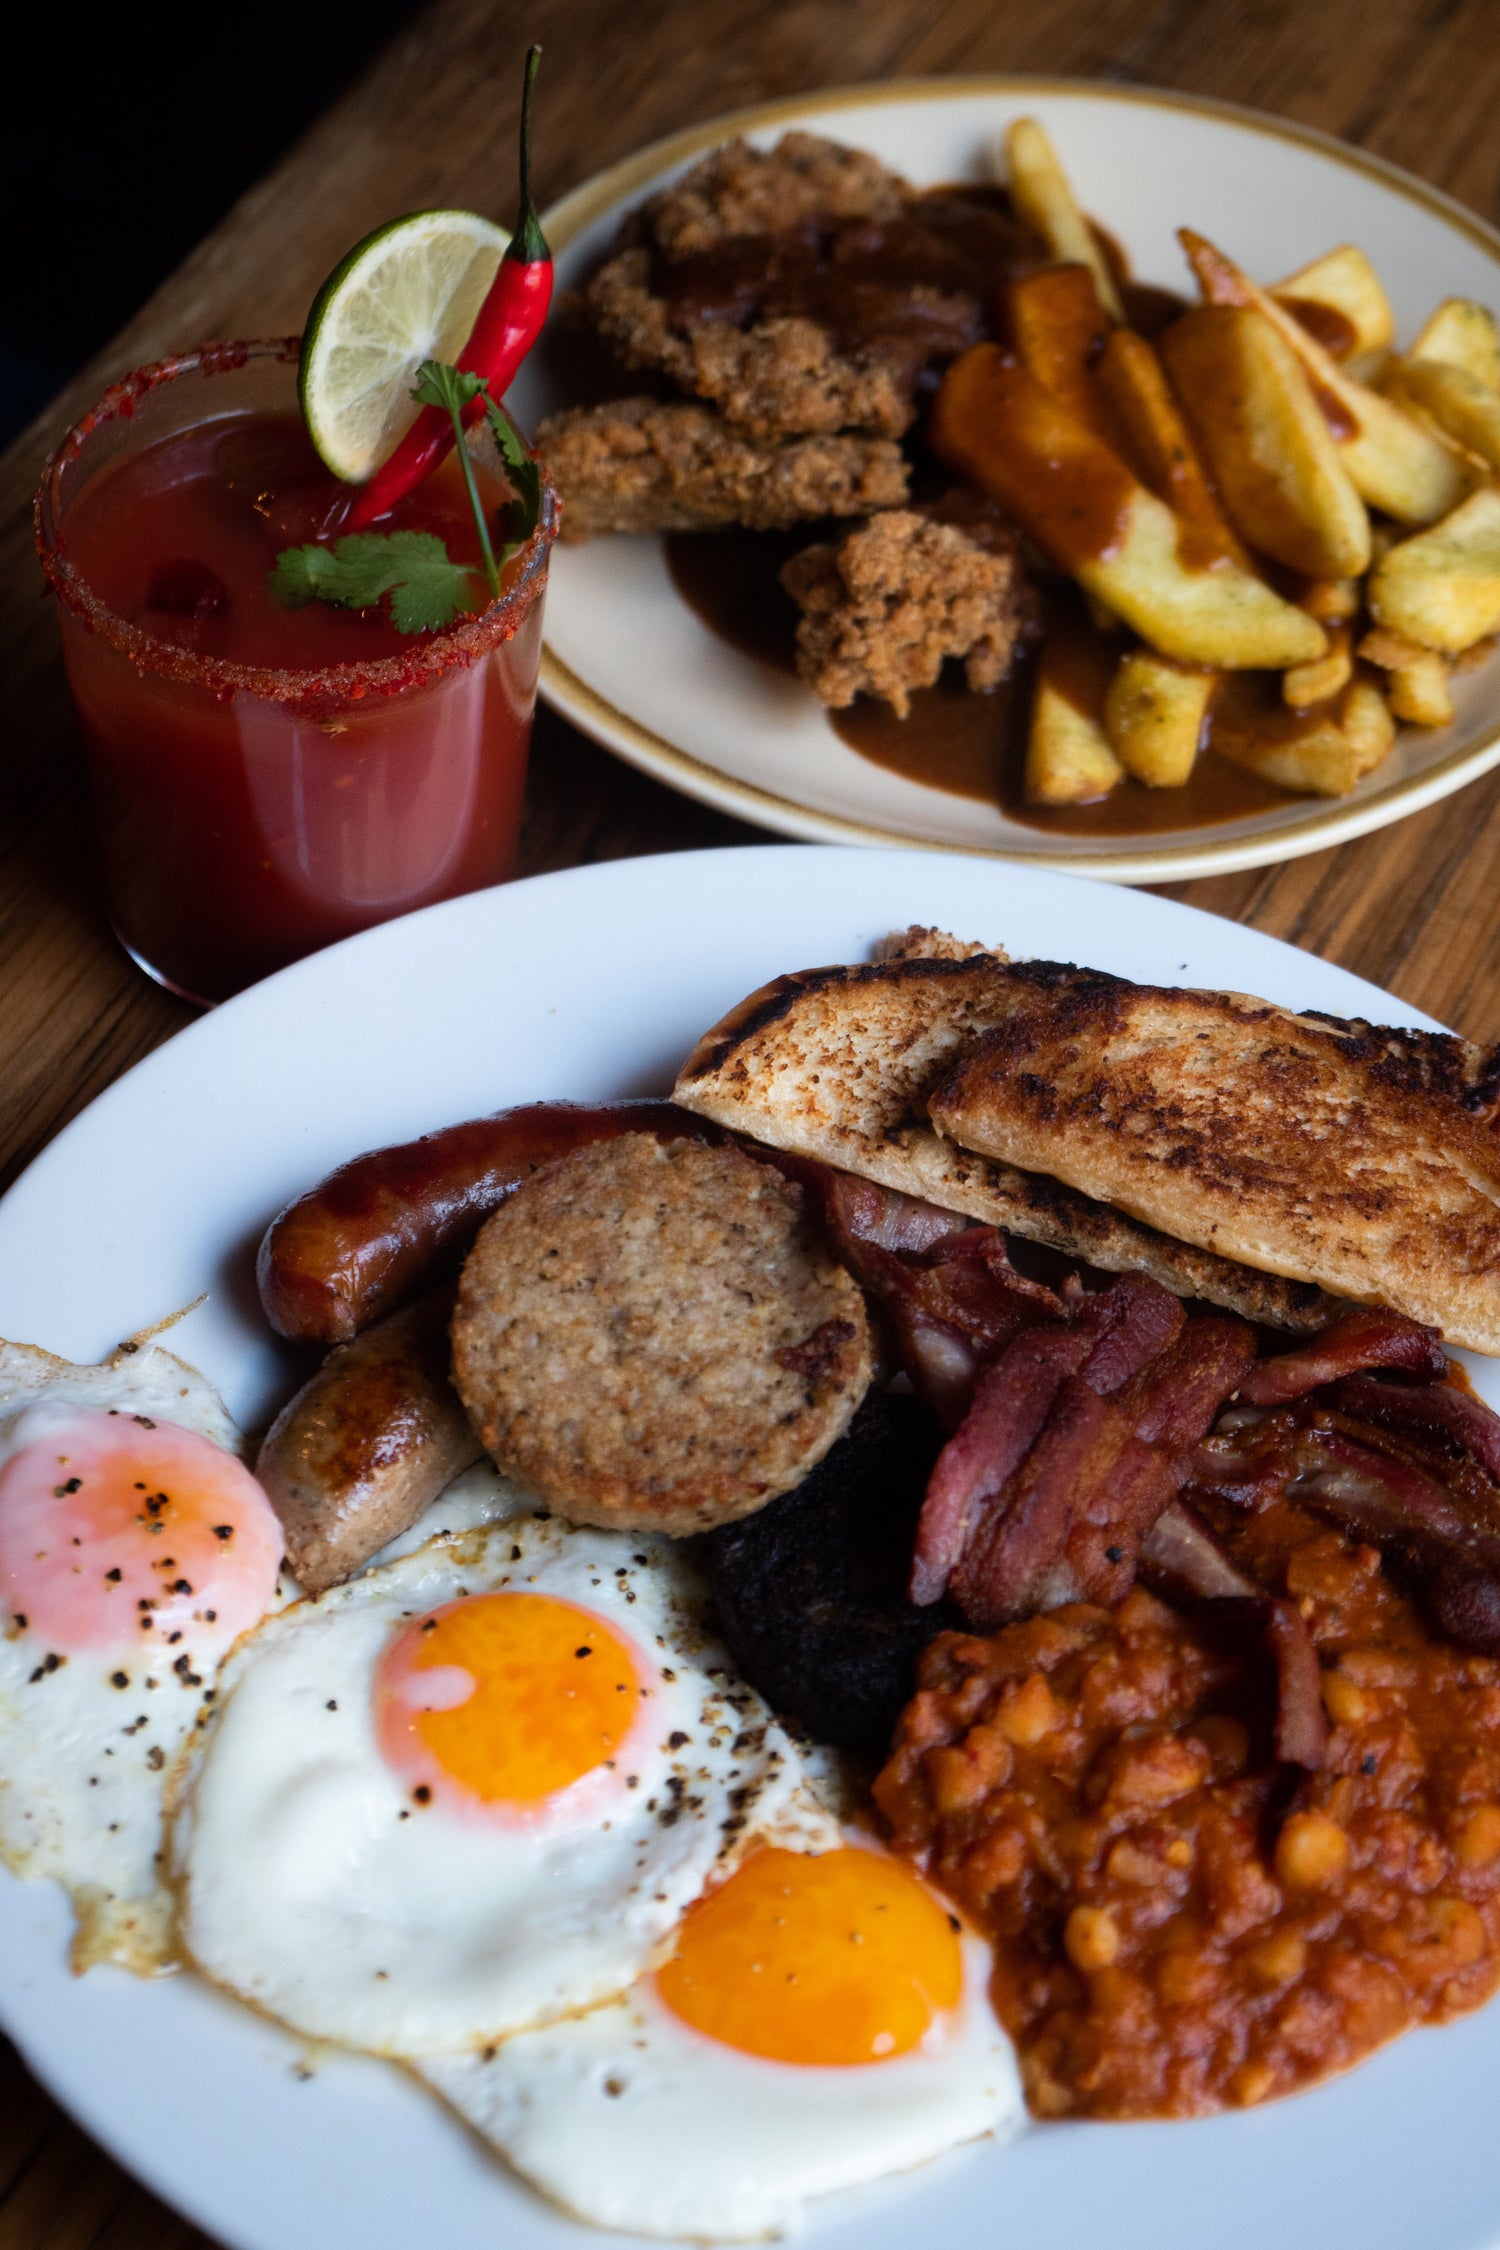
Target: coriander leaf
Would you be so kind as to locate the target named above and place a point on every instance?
(431, 590)
(525, 476)
(441, 385)
(426, 589)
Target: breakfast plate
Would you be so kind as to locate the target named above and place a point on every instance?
(628, 661)
(590, 984)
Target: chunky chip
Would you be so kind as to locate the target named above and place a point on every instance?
(1040, 191)
(995, 423)
(1442, 588)
(1306, 684)
(1059, 329)
(1464, 335)
(1324, 751)
(1269, 448)
(1154, 715)
(1393, 462)
(1068, 757)
(1461, 405)
(1339, 299)
(1161, 449)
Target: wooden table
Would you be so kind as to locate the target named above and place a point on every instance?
(1416, 907)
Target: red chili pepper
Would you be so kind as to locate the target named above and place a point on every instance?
(509, 322)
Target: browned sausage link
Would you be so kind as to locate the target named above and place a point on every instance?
(367, 1444)
(388, 1225)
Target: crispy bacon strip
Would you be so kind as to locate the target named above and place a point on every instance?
(1365, 1336)
(1011, 1402)
(1176, 1398)
(1109, 1338)
(1301, 1728)
(950, 1290)
(1429, 1412)
(1136, 1319)
(1078, 1541)
(1008, 1568)
(1451, 1546)
(1182, 1558)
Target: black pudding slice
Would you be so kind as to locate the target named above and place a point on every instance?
(811, 1590)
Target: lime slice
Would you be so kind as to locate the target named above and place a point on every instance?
(410, 291)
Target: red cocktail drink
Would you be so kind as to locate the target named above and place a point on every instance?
(269, 779)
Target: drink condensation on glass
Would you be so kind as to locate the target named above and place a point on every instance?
(267, 780)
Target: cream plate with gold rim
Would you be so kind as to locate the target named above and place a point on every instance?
(628, 662)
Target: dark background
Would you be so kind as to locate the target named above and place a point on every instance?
(125, 134)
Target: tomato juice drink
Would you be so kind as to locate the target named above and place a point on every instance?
(269, 779)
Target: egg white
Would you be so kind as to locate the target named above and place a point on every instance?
(631, 2119)
(312, 1886)
(84, 1761)
(137, 1378)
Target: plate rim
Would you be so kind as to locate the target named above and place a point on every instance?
(565, 692)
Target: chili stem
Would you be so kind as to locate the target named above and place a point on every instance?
(483, 529)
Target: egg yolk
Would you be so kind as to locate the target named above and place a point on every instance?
(120, 1532)
(843, 1958)
(506, 1699)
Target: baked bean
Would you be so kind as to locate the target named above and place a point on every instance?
(1176, 1932)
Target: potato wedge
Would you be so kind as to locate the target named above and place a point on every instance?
(1390, 651)
(1419, 693)
(1058, 328)
(1339, 300)
(1322, 752)
(1460, 404)
(1463, 334)
(1442, 588)
(1307, 684)
(1068, 757)
(1160, 447)
(1154, 713)
(1393, 462)
(996, 424)
(1040, 191)
(1332, 601)
(1270, 451)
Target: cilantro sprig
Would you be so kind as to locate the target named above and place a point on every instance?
(427, 589)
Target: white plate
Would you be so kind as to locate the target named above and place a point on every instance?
(590, 984)
(628, 662)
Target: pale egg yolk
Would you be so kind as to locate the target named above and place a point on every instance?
(842, 1958)
(501, 1702)
(119, 1532)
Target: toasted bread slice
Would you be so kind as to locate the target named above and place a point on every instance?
(838, 1064)
(1332, 1153)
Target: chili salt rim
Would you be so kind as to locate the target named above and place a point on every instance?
(336, 684)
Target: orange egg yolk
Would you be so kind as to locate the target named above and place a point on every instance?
(120, 1532)
(507, 1699)
(843, 1958)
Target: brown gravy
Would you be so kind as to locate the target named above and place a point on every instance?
(969, 745)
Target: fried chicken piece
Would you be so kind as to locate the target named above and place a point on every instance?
(639, 465)
(781, 377)
(740, 190)
(883, 608)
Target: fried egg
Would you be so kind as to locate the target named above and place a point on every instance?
(474, 1790)
(135, 1547)
(822, 2022)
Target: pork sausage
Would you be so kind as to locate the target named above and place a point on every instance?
(388, 1225)
(367, 1444)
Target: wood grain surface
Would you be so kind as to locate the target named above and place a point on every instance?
(1416, 907)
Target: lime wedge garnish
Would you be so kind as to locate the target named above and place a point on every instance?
(410, 291)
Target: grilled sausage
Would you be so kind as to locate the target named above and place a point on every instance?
(388, 1225)
(367, 1444)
